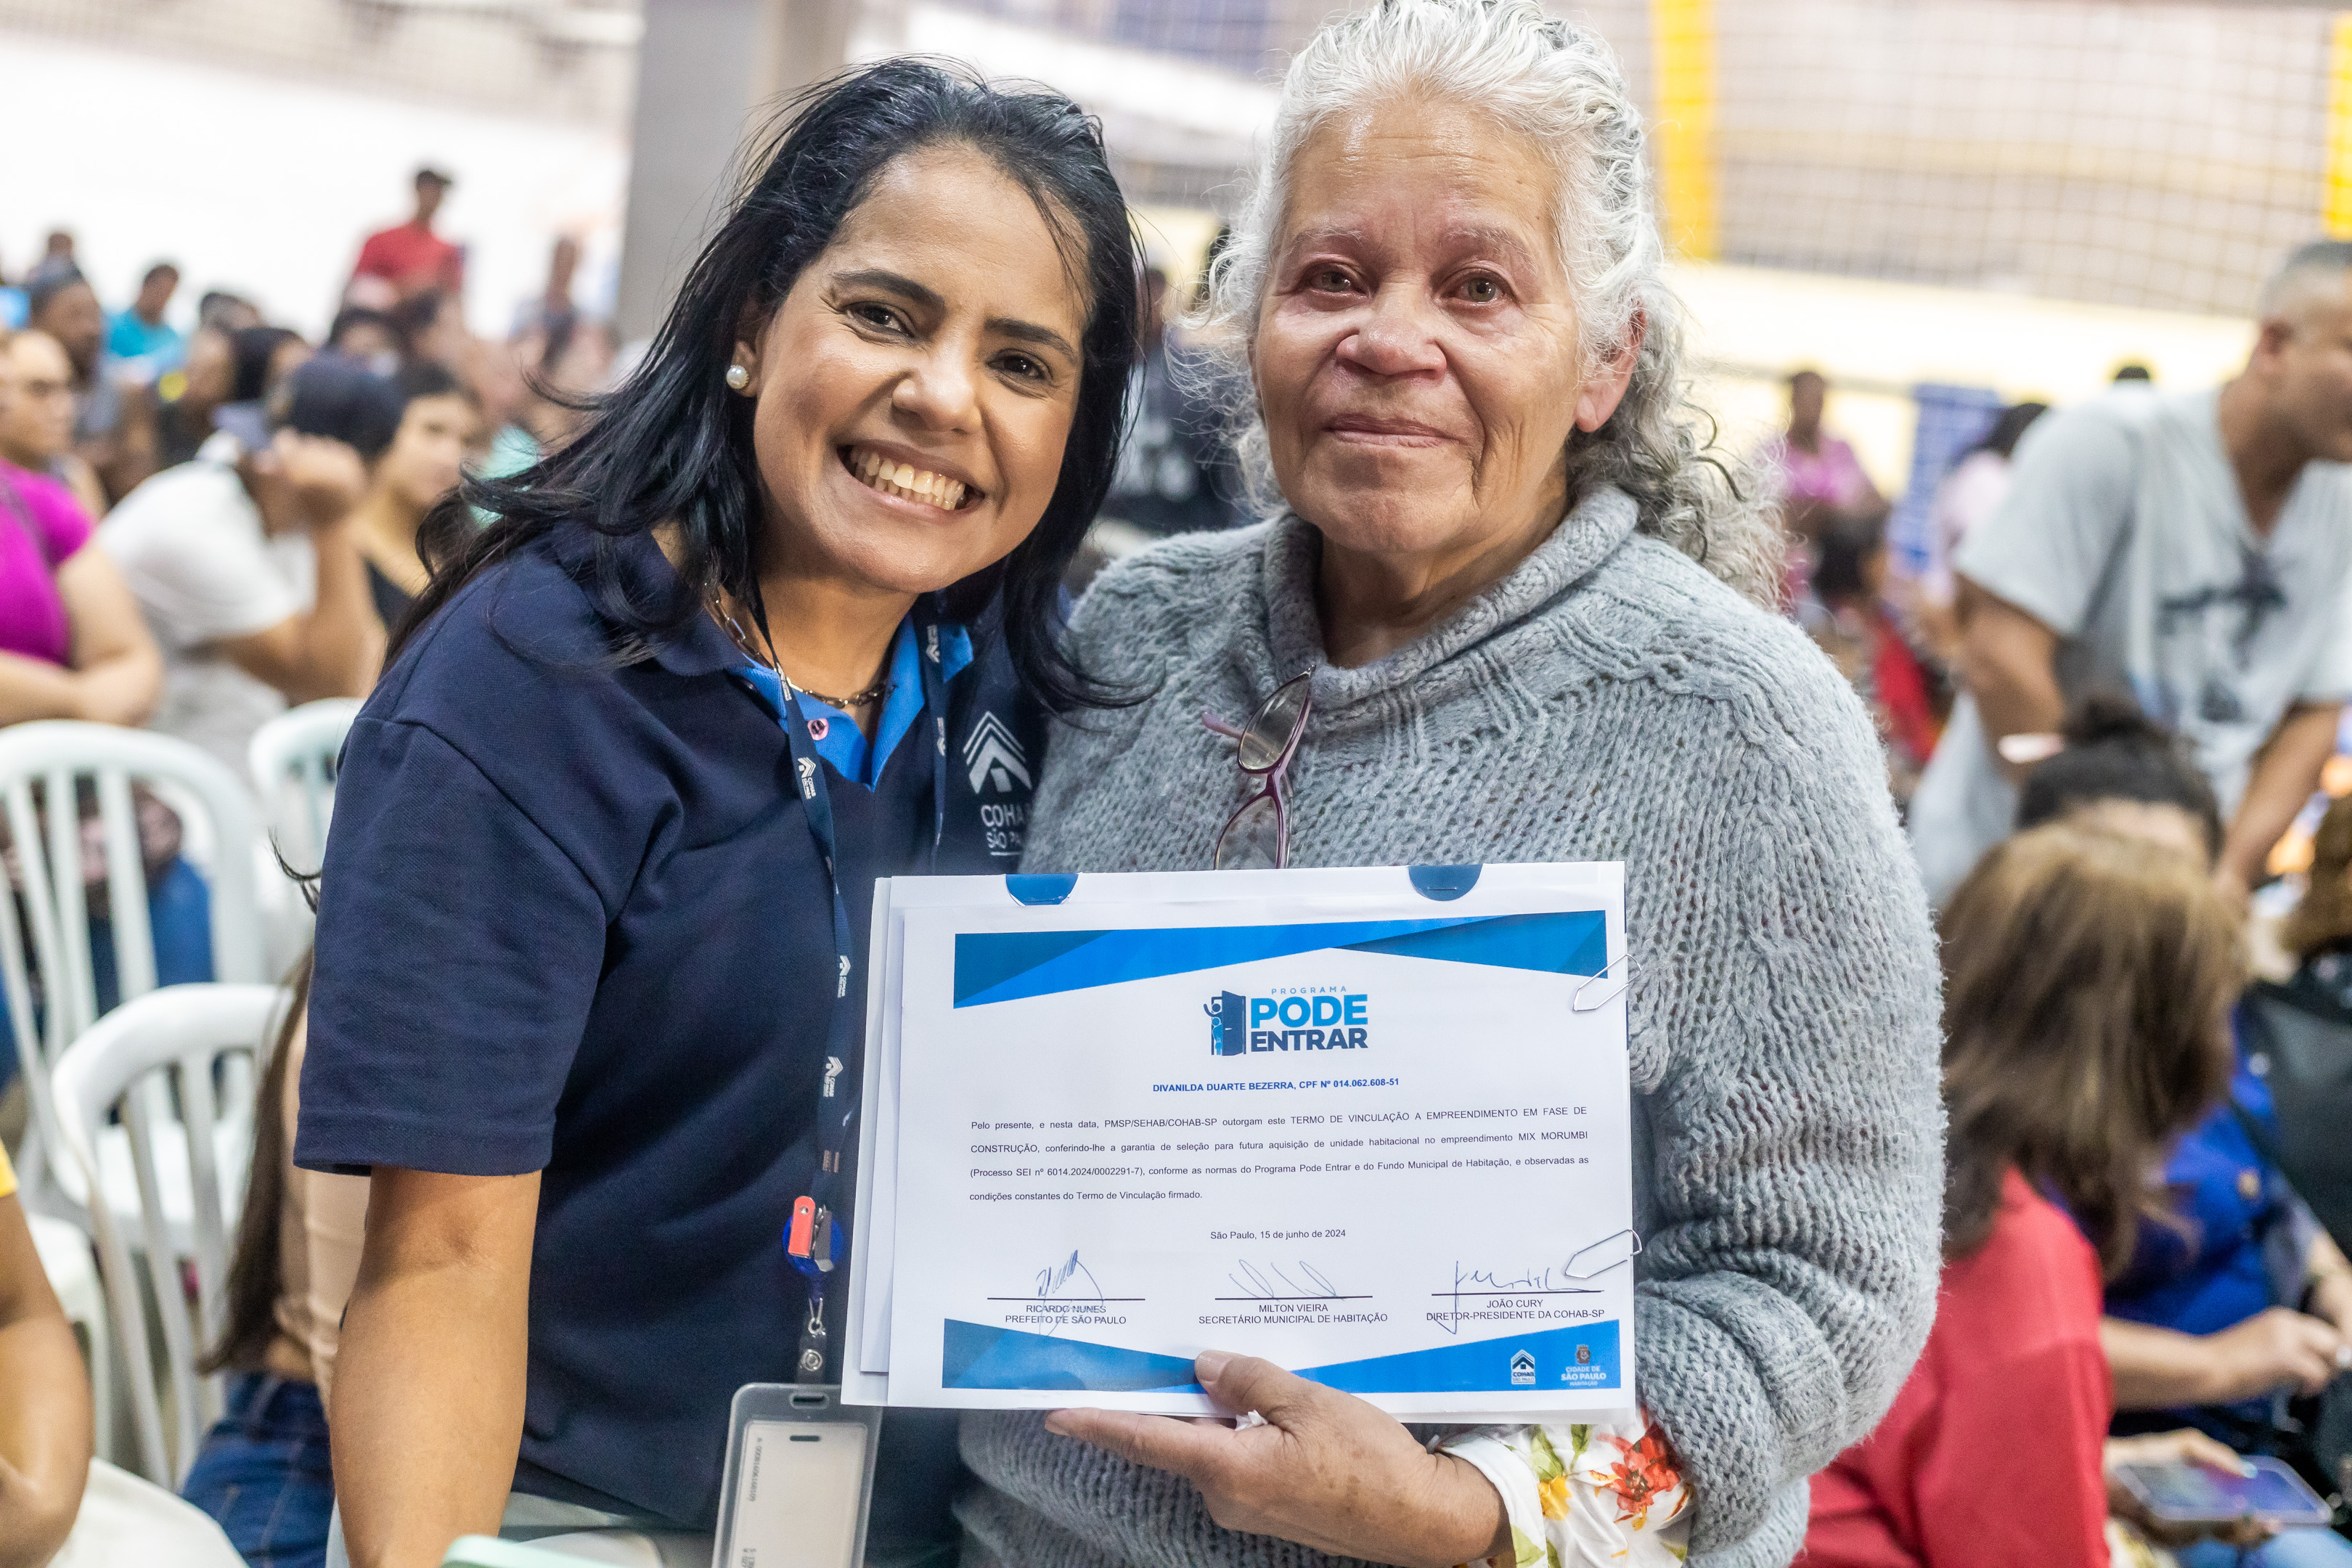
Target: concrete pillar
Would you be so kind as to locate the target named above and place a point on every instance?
(708, 73)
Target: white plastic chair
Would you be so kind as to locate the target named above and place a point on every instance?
(292, 759)
(48, 851)
(170, 1039)
(66, 1258)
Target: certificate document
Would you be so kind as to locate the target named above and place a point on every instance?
(1372, 1125)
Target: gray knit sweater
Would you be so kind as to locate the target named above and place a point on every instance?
(1607, 701)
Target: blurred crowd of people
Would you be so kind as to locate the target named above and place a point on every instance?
(2106, 682)
(256, 494)
(2108, 679)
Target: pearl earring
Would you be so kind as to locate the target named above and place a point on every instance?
(738, 377)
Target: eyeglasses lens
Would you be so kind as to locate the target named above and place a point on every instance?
(1269, 730)
(1252, 841)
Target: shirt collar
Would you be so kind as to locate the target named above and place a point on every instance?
(699, 647)
(835, 734)
(1593, 531)
(696, 648)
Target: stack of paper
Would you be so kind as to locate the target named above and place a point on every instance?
(1371, 1125)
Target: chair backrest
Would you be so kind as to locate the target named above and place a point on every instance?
(171, 1040)
(50, 758)
(292, 759)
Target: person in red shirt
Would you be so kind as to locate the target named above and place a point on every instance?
(411, 259)
(2088, 978)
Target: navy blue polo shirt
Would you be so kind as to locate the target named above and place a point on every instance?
(573, 920)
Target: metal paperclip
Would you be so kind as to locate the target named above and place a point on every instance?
(1602, 989)
(1607, 1259)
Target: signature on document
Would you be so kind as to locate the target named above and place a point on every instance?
(1061, 1281)
(1477, 1286)
(1266, 1282)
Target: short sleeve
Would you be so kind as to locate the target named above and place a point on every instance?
(370, 263)
(2329, 679)
(458, 951)
(7, 1174)
(202, 576)
(2046, 547)
(65, 527)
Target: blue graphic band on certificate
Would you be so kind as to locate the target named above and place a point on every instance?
(979, 1356)
(1003, 966)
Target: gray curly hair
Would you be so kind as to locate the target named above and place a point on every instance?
(1559, 85)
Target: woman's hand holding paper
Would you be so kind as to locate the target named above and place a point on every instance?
(1326, 1470)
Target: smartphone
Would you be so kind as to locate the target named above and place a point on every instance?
(798, 1478)
(2182, 1493)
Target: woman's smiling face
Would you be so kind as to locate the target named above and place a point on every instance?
(1417, 349)
(916, 388)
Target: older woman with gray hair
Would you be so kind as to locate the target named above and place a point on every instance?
(1530, 601)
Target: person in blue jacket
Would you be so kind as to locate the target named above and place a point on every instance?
(779, 621)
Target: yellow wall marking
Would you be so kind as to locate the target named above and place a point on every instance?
(2335, 209)
(1682, 49)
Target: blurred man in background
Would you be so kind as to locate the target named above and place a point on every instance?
(58, 258)
(408, 258)
(2189, 548)
(141, 332)
(111, 430)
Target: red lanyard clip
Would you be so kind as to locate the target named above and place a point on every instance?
(813, 1238)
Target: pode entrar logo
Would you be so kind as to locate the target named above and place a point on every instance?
(1327, 1021)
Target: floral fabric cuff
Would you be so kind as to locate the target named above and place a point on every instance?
(1582, 1494)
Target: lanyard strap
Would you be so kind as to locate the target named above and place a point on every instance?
(814, 1243)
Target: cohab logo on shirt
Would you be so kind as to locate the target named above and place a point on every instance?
(994, 758)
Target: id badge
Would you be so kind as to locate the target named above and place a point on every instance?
(799, 1479)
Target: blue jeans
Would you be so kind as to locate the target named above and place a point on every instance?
(263, 1472)
(179, 914)
(2306, 1548)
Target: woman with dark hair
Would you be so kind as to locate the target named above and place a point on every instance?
(2118, 769)
(778, 620)
(1849, 620)
(371, 337)
(261, 358)
(2087, 982)
(438, 421)
(186, 397)
(264, 356)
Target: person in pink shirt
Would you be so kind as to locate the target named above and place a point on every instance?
(1822, 481)
(1821, 477)
(72, 642)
